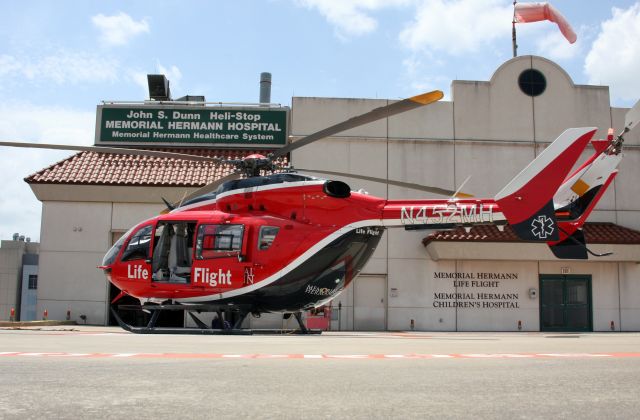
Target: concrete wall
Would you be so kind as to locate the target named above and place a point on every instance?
(462, 296)
(629, 287)
(74, 238)
(11, 273)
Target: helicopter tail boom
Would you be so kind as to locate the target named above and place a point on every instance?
(526, 203)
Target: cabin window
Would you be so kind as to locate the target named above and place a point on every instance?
(138, 246)
(267, 236)
(216, 241)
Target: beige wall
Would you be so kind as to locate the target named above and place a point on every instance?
(10, 270)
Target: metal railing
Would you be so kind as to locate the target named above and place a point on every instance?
(196, 103)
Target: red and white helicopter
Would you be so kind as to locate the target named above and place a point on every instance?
(267, 239)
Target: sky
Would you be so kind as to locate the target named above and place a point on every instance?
(60, 59)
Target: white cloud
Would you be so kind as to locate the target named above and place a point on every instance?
(119, 29)
(350, 17)
(139, 78)
(173, 73)
(9, 65)
(614, 58)
(457, 27)
(24, 122)
(61, 67)
(421, 77)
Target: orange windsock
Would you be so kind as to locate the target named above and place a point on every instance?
(535, 12)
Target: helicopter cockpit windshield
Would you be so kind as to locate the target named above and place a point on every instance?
(110, 256)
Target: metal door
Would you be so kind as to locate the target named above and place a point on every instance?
(369, 303)
(565, 303)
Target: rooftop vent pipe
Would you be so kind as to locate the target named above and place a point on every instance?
(265, 88)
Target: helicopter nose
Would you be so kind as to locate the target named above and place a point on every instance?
(106, 269)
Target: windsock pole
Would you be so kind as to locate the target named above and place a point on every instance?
(513, 31)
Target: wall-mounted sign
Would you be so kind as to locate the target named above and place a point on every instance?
(175, 124)
(477, 290)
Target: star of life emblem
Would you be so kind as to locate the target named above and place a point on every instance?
(542, 227)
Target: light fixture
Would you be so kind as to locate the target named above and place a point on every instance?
(158, 87)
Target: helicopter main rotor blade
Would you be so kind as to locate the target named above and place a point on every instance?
(373, 115)
(114, 150)
(419, 187)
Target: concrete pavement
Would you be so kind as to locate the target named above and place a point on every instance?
(80, 372)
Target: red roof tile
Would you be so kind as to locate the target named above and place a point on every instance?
(595, 233)
(91, 168)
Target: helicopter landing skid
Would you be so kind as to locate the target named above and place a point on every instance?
(220, 326)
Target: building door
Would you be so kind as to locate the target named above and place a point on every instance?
(565, 303)
(369, 307)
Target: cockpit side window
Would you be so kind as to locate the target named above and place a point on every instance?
(215, 241)
(267, 236)
(138, 246)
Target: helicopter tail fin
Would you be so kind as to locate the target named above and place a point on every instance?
(579, 194)
(527, 201)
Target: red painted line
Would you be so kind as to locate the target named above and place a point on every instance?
(323, 356)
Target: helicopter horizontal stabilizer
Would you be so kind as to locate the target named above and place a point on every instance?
(527, 201)
(571, 248)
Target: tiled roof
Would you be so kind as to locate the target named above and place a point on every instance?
(91, 168)
(595, 233)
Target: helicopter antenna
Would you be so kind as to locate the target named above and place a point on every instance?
(169, 205)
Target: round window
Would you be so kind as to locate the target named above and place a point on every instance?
(532, 82)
